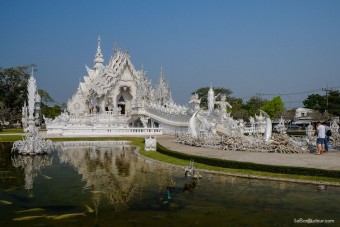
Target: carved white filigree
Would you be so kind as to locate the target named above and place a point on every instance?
(150, 144)
(31, 88)
(281, 128)
(32, 143)
(335, 127)
(144, 121)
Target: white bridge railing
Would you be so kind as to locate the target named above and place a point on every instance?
(94, 143)
(107, 131)
(252, 130)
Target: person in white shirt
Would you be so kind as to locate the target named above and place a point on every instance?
(327, 128)
(320, 141)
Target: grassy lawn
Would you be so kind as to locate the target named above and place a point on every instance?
(240, 172)
(9, 138)
(155, 155)
(11, 130)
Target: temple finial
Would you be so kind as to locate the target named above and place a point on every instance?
(98, 60)
(162, 74)
(115, 48)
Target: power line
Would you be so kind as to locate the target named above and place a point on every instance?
(328, 89)
(299, 93)
(294, 93)
(259, 94)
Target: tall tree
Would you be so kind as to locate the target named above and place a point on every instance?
(50, 111)
(315, 102)
(238, 110)
(13, 90)
(334, 103)
(254, 104)
(274, 107)
(45, 97)
(13, 94)
(47, 110)
(203, 94)
(4, 113)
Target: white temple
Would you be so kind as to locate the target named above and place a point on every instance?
(117, 99)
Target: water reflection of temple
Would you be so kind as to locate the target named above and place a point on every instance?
(11, 177)
(31, 166)
(111, 172)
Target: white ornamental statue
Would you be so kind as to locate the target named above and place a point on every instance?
(150, 144)
(223, 105)
(144, 121)
(195, 101)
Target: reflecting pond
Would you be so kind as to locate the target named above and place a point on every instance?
(107, 184)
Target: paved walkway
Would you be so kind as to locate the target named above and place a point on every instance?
(330, 160)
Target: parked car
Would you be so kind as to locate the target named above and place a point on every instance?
(290, 128)
(294, 128)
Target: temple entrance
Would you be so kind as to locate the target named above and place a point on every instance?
(122, 108)
(121, 105)
(124, 99)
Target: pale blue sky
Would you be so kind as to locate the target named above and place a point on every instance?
(250, 47)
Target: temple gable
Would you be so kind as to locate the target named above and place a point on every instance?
(127, 74)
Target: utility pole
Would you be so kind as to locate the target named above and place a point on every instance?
(258, 95)
(326, 90)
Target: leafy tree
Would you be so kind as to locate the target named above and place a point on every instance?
(46, 110)
(203, 94)
(50, 111)
(45, 97)
(13, 94)
(4, 113)
(13, 90)
(334, 103)
(315, 102)
(238, 110)
(254, 104)
(319, 102)
(241, 114)
(274, 107)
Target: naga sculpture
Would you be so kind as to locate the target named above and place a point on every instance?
(217, 129)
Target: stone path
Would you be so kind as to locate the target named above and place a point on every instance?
(330, 160)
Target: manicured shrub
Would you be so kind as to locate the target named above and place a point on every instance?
(250, 165)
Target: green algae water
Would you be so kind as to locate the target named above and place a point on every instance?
(107, 184)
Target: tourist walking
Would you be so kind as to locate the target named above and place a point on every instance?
(320, 141)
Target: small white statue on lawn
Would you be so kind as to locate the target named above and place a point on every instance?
(150, 144)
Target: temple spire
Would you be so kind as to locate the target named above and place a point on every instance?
(161, 77)
(211, 99)
(98, 60)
